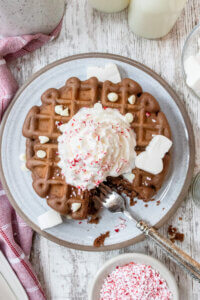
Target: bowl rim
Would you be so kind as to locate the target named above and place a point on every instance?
(135, 257)
(196, 27)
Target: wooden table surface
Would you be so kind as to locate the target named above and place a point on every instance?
(65, 273)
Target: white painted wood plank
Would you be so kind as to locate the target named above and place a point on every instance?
(65, 273)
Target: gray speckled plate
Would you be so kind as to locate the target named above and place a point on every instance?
(80, 235)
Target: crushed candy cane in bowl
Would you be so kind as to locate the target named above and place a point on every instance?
(133, 276)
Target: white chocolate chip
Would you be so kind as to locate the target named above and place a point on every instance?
(132, 99)
(41, 154)
(22, 157)
(58, 109)
(65, 112)
(43, 139)
(75, 207)
(129, 117)
(113, 97)
(129, 176)
(62, 112)
(24, 168)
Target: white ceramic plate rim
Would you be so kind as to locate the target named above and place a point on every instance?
(191, 148)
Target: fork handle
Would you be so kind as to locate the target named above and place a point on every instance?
(191, 266)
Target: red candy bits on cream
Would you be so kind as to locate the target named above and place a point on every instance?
(135, 282)
(96, 143)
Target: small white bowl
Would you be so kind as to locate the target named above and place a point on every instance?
(110, 265)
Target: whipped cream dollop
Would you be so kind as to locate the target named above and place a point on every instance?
(96, 143)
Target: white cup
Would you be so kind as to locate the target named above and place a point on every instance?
(154, 18)
(19, 17)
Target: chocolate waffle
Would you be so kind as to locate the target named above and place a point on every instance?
(48, 181)
(148, 121)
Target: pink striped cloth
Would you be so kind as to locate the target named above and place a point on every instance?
(15, 235)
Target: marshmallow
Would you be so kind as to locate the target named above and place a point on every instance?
(49, 219)
(149, 162)
(109, 72)
(159, 145)
(43, 139)
(41, 154)
(75, 207)
(113, 97)
(129, 117)
(129, 176)
(132, 99)
(22, 157)
(151, 159)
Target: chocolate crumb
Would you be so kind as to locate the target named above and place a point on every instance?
(146, 205)
(99, 241)
(171, 230)
(179, 237)
(174, 235)
(180, 218)
(132, 202)
(94, 220)
(158, 202)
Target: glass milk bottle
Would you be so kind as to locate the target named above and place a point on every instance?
(154, 18)
(109, 6)
(19, 17)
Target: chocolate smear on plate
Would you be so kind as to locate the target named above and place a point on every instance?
(99, 241)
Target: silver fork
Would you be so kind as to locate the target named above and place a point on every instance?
(115, 203)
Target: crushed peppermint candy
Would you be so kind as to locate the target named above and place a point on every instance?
(121, 226)
(135, 282)
(148, 114)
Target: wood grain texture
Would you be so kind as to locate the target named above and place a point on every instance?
(64, 273)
